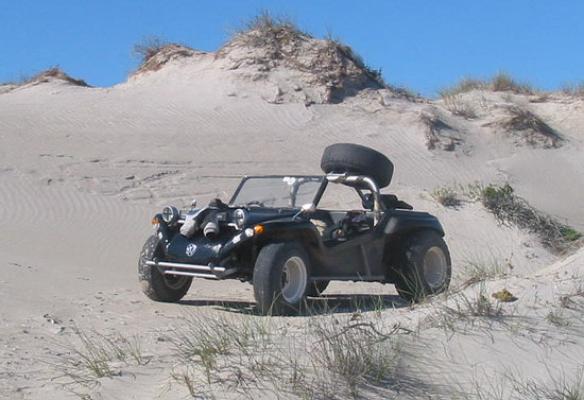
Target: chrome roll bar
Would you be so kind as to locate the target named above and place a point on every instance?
(361, 181)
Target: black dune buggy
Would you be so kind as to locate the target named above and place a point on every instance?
(273, 233)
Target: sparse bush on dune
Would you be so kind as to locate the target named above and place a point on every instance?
(446, 196)
(54, 73)
(269, 42)
(96, 356)
(501, 82)
(510, 208)
(274, 32)
(559, 386)
(458, 106)
(479, 270)
(463, 86)
(575, 90)
(149, 47)
(439, 133)
(530, 128)
(154, 53)
(327, 358)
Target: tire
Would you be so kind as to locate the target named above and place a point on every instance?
(156, 286)
(357, 159)
(280, 278)
(315, 289)
(425, 266)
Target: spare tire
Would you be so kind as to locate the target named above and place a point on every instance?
(356, 159)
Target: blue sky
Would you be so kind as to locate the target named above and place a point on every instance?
(424, 45)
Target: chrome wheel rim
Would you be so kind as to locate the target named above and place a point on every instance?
(435, 267)
(294, 280)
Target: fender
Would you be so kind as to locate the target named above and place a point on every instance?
(401, 222)
(289, 228)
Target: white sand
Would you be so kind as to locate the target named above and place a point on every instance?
(83, 169)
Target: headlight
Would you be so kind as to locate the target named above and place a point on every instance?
(239, 218)
(170, 215)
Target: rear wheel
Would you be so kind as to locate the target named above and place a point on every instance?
(425, 266)
(280, 278)
(155, 285)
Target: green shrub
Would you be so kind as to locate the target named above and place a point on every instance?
(512, 209)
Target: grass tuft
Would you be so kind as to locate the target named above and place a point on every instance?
(446, 196)
(155, 52)
(531, 128)
(94, 356)
(512, 209)
(574, 90)
(328, 358)
(54, 73)
(439, 132)
(501, 82)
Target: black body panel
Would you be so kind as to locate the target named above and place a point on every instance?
(364, 255)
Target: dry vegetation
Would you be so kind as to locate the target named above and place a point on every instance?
(530, 128)
(54, 73)
(94, 356)
(446, 196)
(154, 53)
(576, 90)
(439, 132)
(277, 41)
(501, 82)
(509, 208)
(328, 357)
(459, 106)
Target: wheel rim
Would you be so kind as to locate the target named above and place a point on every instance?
(435, 267)
(294, 280)
(174, 282)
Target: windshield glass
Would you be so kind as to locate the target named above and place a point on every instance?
(277, 191)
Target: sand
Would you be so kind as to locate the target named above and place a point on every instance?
(82, 170)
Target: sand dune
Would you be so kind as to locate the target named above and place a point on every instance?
(82, 170)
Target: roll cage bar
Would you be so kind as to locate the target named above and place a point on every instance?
(358, 182)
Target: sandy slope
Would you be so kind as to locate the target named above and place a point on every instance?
(82, 169)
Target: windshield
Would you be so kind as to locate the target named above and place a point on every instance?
(277, 191)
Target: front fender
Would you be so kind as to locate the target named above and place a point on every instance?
(289, 229)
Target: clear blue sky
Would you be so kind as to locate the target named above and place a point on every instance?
(424, 45)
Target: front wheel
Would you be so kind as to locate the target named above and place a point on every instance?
(155, 285)
(425, 266)
(280, 278)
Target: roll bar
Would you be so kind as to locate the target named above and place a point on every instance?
(361, 181)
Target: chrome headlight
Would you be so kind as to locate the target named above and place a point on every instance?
(239, 217)
(170, 215)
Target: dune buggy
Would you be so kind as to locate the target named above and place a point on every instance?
(274, 234)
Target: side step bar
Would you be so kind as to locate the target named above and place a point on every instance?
(195, 271)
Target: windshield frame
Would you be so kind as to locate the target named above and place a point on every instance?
(245, 178)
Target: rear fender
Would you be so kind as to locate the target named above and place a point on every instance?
(403, 222)
(400, 225)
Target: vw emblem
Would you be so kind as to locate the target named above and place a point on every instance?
(191, 248)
